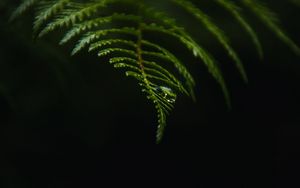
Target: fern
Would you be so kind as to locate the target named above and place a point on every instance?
(215, 30)
(47, 10)
(235, 10)
(120, 35)
(270, 19)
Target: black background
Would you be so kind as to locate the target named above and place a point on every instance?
(76, 122)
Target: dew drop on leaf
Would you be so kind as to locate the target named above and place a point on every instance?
(167, 93)
(195, 52)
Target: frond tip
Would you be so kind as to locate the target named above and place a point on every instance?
(122, 36)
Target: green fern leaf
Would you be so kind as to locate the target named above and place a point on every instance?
(198, 51)
(235, 10)
(74, 13)
(108, 51)
(47, 10)
(92, 24)
(270, 19)
(190, 82)
(92, 36)
(102, 43)
(215, 30)
(79, 28)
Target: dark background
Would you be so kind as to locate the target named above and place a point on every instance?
(77, 122)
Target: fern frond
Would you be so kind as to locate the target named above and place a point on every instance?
(270, 19)
(125, 65)
(108, 51)
(82, 27)
(120, 36)
(102, 43)
(92, 36)
(47, 9)
(198, 51)
(72, 14)
(215, 30)
(190, 82)
(235, 10)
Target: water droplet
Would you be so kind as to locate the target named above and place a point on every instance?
(195, 52)
(167, 93)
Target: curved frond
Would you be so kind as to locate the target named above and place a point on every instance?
(92, 36)
(235, 10)
(81, 27)
(270, 19)
(190, 82)
(215, 30)
(47, 9)
(198, 51)
(73, 13)
(121, 35)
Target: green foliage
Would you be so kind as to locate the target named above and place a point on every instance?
(270, 19)
(236, 11)
(121, 35)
